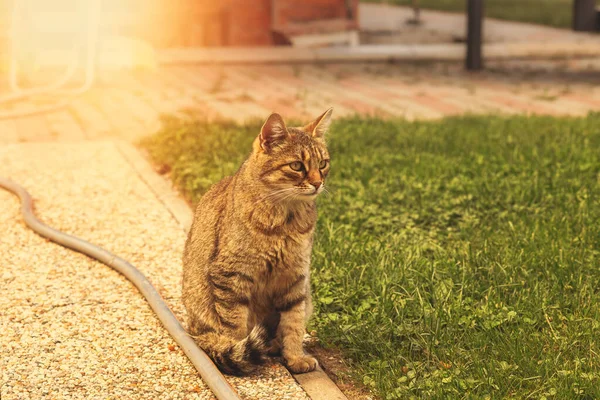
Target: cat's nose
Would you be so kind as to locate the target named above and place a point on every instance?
(317, 184)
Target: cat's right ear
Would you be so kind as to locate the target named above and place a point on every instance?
(273, 132)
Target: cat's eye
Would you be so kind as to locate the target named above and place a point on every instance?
(297, 166)
(323, 164)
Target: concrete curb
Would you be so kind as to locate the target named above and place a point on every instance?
(319, 386)
(423, 52)
(316, 384)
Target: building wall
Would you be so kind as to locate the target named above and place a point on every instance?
(233, 23)
(226, 22)
(175, 23)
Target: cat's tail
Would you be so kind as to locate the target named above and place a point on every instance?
(236, 357)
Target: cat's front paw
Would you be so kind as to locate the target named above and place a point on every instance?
(300, 365)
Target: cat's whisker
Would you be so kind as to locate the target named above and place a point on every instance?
(330, 187)
(293, 195)
(284, 196)
(279, 191)
(278, 198)
(287, 196)
(275, 194)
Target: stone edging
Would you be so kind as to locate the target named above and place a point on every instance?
(422, 52)
(316, 384)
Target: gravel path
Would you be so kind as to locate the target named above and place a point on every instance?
(71, 327)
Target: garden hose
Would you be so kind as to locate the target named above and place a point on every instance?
(207, 369)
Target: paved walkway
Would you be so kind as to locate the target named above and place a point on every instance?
(70, 326)
(128, 105)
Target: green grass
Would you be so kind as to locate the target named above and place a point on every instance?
(453, 259)
(546, 12)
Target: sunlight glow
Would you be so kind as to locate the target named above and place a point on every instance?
(59, 33)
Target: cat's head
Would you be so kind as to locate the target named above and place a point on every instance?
(292, 163)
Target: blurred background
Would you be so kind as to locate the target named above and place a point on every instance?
(201, 55)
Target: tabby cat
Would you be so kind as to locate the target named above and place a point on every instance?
(247, 257)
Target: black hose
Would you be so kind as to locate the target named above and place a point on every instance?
(207, 369)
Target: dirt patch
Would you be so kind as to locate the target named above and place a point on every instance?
(339, 371)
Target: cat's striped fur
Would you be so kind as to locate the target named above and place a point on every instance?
(247, 257)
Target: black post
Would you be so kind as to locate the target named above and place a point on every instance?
(584, 15)
(474, 34)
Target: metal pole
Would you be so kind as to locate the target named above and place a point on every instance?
(417, 10)
(584, 15)
(474, 60)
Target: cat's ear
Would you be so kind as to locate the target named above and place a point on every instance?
(273, 132)
(319, 127)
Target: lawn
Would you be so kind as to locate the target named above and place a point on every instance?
(453, 259)
(546, 12)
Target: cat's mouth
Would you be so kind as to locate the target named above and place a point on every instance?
(309, 193)
(313, 193)
(309, 196)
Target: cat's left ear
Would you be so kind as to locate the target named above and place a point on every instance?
(319, 127)
(273, 132)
